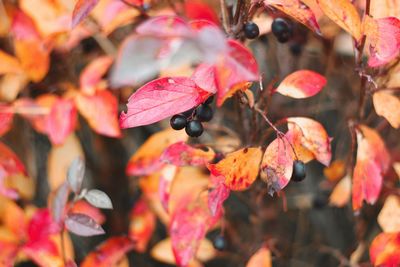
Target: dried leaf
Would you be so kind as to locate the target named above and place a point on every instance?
(82, 225)
(109, 252)
(315, 138)
(101, 112)
(389, 216)
(98, 198)
(302, 84)
(262, 258)
(160, 99)
(81, 10)
(146, 160)
(75, 174)
(384, 250)
(387, 105)
(142, 224)
(181, 154)
(372, 162)
(344, 14)
(239, 168)
(341, 194)
(277, 165)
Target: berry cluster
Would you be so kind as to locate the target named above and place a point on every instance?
(191, 120)
(282, 29)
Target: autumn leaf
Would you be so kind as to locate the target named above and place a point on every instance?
(10, 162)
(83, 207)
(389, 216)
(298, 11)
(146, 160)
(387, 105)
(372, 162)
(301, 84)
(315, 138)
(335, 171)
(384, 249)
(61, 121)
(344, 14)
(82, 225)
(384, 38)
(166, 178)
(200, 10)
(6, 119)
(262, 258)
(277, 164)
(239, 168)
(181, 154)
(160, 99)
(8, 64)
(101, 112)
(142, 224)
(81, 10)
(165, 27)
(204, 77)
(109, 252)
(217, 195)
(93, 73)
(341, 194)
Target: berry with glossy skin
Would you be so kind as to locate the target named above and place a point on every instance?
(219, 243)
(282, 29)
(251, 30)
(178, 122)
(194, 128)
(299, 171)
(204, 113)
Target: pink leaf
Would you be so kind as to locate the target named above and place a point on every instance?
(81, 10)
(6, 119)
(204, 77)
(160, 99)
(277, 165)
(61, 121)
(93, 73)
(83, 225)
(302, 84)
(167, 176)
(217, 197)
(384, 37)
(181, 154)
(164, 27)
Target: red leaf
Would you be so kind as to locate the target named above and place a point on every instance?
(181, 154)
(165, 27)
(142, 225)
(160, 99)
(372, 162)
(235, 69)
(101, 111)
(217, 196)
(302, 84)
(6, 119)
(108, 253)
(41, 226)
(314, 138)
(10, 162)
(384, 250)
(199, 10)
(277, 165)
(297, 10)
(92, 74)
(61, 121)
(384, 37)
(239, 168)
(81, 10)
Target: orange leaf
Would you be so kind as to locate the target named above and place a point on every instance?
(384, 250)
(341, 194)
(83, 207)
(101, 112)
(315, 138)
(277, 165)
(147, 158)
(8, 64)
(302, 84)
(387, 105)
(142, 224)
(181, 154)
(389, 216)
(262, 258)
(344, 14)
(239, 168)
(384, 38)
(109, 252)
(335, 171)
(372, 162)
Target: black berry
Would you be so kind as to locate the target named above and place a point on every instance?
(204, 113)
(299, 171)
(320, 201)
(296, 49)
(178, 122)
(194, 128)
(209, 100)
(219, 243)
(251, 30)
(282, 29)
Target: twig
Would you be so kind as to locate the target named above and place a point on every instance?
(225, 23)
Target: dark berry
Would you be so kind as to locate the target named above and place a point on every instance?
(251, 30)
(282, 29)
(299, 171)
(178, 122)
(194, 128)
(219, 243)
(320, 201)
(209, 100)
(204, 113)
(296, 49)
(189, 113)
